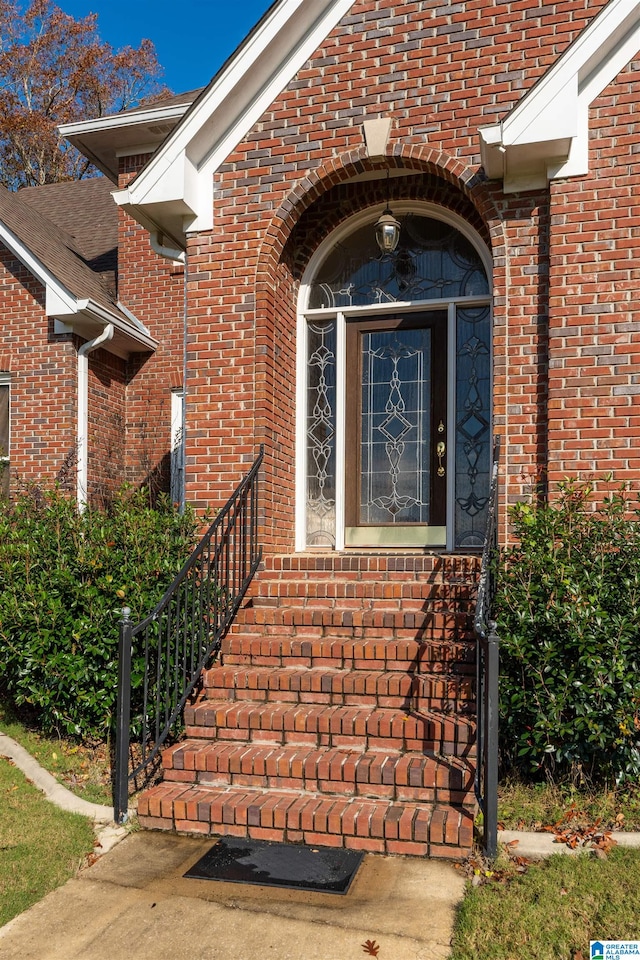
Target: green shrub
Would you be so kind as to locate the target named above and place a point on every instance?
(65, 577)
(569, 623)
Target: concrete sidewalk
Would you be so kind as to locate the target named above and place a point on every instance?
(134, 904)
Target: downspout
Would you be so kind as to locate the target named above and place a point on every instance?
(185, 343)
(83, 411)
(171, 253)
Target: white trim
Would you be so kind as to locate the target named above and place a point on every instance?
(342, 315)
(5, 381)
(5, 455)
(151, 114)
(341, 428)
(82, 435)
(177, 181)
(68, 310)
(59, 301)
(301, 434)
(177, 478)
(546, 135)
(370, 215)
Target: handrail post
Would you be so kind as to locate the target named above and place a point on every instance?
(487, 673)
(491, 707)
(123, 719)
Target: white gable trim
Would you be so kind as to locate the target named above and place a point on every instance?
(546, 136)
(174, 192)
(59, 301)
(83, 316)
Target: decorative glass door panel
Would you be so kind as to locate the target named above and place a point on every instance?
(320, 431)
(396, 431)
(384, 439)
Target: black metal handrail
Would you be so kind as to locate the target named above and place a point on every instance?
(487, 666)
(181, 635)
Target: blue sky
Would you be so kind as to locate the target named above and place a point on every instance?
(192, 37)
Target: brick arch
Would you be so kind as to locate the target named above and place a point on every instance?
(276, 283)
(341, 169)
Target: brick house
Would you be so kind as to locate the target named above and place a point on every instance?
(496, 146)
(79, 372)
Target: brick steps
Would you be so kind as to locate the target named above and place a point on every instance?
(362, 593)
(323, 725)
(374, 774)
(359, 654)
(441, 568)
(299, 684)
(446, 623)
(380, 826)
(340, 711)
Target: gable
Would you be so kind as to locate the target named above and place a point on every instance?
(543, 133)
(174, 193)
(546, 136)
(75, 295)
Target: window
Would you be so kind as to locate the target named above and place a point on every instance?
(4, 435)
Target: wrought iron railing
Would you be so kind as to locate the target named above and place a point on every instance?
(487, 660)
(162, 657)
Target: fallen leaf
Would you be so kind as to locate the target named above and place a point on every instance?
(371, 948)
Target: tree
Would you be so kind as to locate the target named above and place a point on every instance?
(54, 70)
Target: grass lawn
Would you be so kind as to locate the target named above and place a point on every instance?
(83, 769)
(551, 911)
(40, 845)
(533, 806)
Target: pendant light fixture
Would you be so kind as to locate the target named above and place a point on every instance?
(387, 228)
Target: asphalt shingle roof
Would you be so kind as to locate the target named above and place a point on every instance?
(86, 211)
(80, 260)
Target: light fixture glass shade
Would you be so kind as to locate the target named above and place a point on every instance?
(387, 232)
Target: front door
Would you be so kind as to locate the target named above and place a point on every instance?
(394, 388)
(396, 431)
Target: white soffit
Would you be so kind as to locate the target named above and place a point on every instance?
(174, 192)
(104, 139)
(546, 136)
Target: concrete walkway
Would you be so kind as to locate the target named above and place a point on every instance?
(135, 904)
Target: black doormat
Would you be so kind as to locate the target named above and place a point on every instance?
(241, 860)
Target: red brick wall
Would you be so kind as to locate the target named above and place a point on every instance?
(43, 369)
(152, 288)
(440, 72)
(43, 380)
(594, 396)
(106, 435)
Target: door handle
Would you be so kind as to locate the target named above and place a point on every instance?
(441, 449)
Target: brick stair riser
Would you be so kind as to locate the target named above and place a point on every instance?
(408, 778)
(402, 656)
(446, 624)
(363, 824)
(453, 704)
(375, 566)
(444, 795)
(363, 593)
(349, 688)
(327, 726)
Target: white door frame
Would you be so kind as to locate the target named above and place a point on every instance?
(342, 316)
